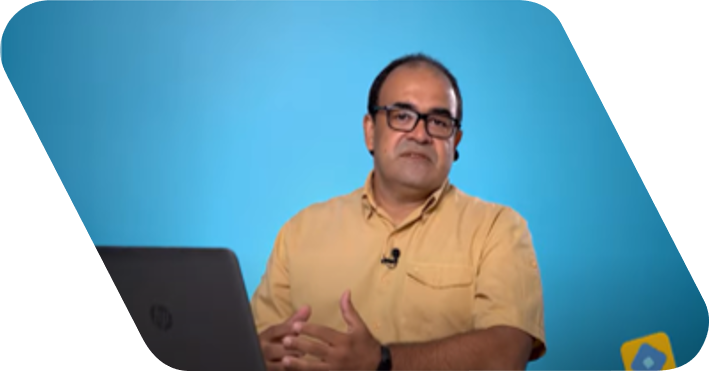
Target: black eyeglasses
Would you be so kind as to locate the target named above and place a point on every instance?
(437, 125)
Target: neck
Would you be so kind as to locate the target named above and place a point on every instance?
(397, 201)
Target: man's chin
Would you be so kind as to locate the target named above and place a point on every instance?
(419, 183)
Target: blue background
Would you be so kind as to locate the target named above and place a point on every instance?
(211, 124)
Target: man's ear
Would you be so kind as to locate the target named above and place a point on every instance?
(458, 137)
(368, 126)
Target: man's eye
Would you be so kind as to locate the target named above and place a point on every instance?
(403, 116)
(441, 122)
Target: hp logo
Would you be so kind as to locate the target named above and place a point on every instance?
(161, 317)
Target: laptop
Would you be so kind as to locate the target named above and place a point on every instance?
(189, 304)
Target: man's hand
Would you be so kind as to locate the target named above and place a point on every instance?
(271, 340)
(332, 350)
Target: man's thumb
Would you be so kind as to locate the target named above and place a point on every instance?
(349, 314)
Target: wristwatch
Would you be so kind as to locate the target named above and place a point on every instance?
(385, 362)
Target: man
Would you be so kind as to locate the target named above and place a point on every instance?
(408, 272)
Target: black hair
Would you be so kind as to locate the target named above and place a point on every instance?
(417, 58)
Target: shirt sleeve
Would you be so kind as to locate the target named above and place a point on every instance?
(271, 304)
(508, 288)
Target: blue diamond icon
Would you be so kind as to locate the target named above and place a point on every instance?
(648, 359)
(648, 362)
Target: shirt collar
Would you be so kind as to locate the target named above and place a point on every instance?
(369, 205)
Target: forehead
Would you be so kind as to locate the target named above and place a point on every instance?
(421, 85)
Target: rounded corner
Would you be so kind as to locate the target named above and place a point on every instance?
(663, 335)
(23, 9)
(547, 8)
(624, 346)
(695, 356)
(158, 358)
(145, 342)
(550, 11)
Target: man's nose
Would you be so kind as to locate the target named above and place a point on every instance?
(419, 133)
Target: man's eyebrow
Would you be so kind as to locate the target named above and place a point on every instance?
(441, 111)
(404, 105)
(435, 111)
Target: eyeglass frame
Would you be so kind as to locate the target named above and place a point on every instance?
(419, 117)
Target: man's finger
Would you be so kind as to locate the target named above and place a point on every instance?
(275, 366)
(301, 364)
(294, 353)
(306, 346)
(301, 315)
(276, 352)
(322, 333)
(277, 332)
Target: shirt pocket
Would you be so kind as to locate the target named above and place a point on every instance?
(438, 298)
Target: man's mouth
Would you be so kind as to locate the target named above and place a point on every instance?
(415, 155)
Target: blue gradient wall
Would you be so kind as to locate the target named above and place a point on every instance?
(210, 124)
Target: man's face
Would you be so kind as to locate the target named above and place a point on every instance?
(415, 160)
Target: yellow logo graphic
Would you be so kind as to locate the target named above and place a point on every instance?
(652, 352)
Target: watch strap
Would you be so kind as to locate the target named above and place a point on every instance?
(385, 361)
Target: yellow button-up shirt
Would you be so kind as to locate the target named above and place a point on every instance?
(464, 264)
